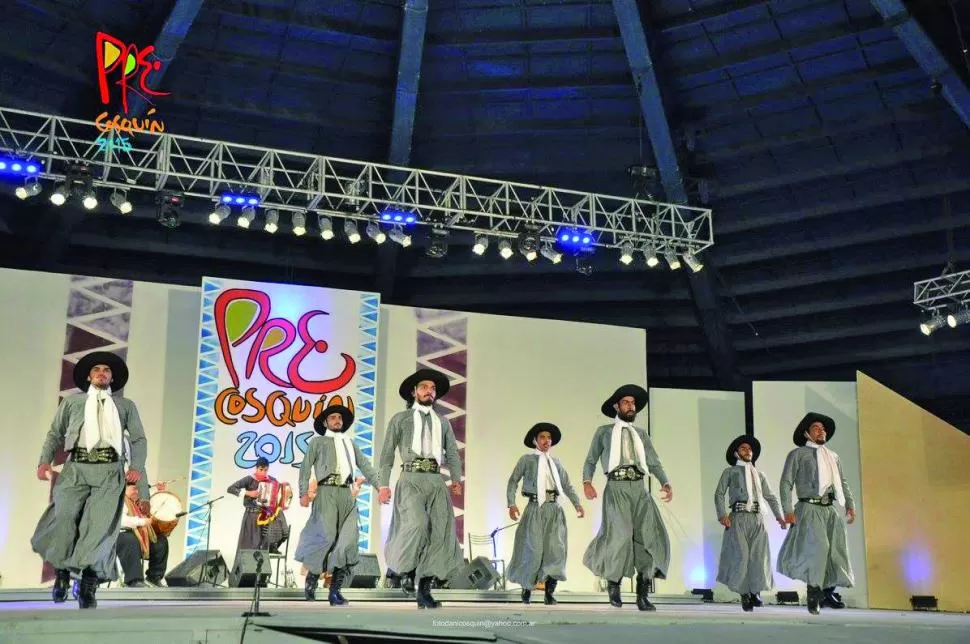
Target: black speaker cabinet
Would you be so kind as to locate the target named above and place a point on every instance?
(366, 573)
(479, 574)
(243, 573)
(201, 568)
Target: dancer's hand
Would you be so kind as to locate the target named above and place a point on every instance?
(580, 512)
(513, 513)
(45, 472)
(783, 524)
(305, 501)
(790, 518)
(668, 494)
(384, 495)
(849, 515)
(145, 507)
(456, 488)
(133, 476)
(725, 521)
(589, 491)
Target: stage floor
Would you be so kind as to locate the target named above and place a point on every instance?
(291, 622)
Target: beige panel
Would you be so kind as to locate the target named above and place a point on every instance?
(915, 486)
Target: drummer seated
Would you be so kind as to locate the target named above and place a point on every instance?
(129, 547)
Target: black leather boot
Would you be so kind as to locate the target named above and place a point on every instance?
(336, 583)
(425, 600)
(407, 583)
(815, 598)
(747, 602)
(831, 599)
(756, 600)
(613, 590)
(86, 594)
(549, 600)
(526, 595)
(62, 582)
(310, 588)
(643, 589)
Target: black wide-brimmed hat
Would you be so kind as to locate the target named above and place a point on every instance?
(737, 442)
(639, 394)
(811, 418)
(439, 379)
(320, 422)
(119, 370)
(530, 435)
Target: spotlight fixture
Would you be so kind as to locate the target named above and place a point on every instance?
(299, 224)
(374, 232)
(651, 256)
(786, 597)
(398, 235)
(240, 199)
(672, 260)
(59, 196)
(505, 249)
(350, 229)
(218, 214)
(551, 253)
(396, 216)
(529, 244)
(574, 238)
(955, 319)
(693, 263)
(272, 223)
(246, 217)
(626, 253)
(168, 209)
(89, 200)
(923, 602)
(326, 227)
(30, 189)
(481, 245)
(120, 201)
(20, 166)
(933, 324)
(437, 243)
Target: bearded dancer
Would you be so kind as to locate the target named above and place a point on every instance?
(745, 564)
(421, 542)
(78, 533)
(259, 530)
(328, 542)
(816, 549)
(540, 538)
(632, 536)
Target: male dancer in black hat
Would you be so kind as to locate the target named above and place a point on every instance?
(329, 539)
(422, 543)
(816, 549)
(540, 538)
(745, 564)
(78, 533)
(632, 535)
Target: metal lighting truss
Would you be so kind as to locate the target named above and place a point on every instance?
(298, 182)
(948, 291)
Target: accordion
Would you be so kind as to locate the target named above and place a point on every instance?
(274, 497)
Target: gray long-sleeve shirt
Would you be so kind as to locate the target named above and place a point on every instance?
(69, 421)
(801, 472)
(398, 437)
(321, 457)
(525, 471)
(599, 450)
(732, 485)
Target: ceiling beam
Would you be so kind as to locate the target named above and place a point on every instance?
(926, 54)
(173, 32)
(702, 287)
(800, 308)
(861, 330)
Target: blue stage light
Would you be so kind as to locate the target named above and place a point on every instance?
(240, 199)
(226, 198)
(573, 239)
(396, 216)
(19, 166)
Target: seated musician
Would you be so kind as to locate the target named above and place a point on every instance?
(261, 529)
(138, 541)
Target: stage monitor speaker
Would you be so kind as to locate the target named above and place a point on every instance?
(477, 575)
(203, 567)
(243, 573)
(366, 573)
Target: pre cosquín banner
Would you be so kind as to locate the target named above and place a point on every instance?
(271, 356)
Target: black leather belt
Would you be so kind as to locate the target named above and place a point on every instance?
(550, 497)
(426, 465)
(741, 506)
(333, 481)
(815, 500)
(95, 456)
(625, 473)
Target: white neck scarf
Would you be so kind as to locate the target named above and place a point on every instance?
(827, 463)
(752, 484)
(616, 446)
(346, 459)
(546, 464)
(101, 420)
(416, 445)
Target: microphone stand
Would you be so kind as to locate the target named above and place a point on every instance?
(495, 532)
(208, 529)
(254, 607)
